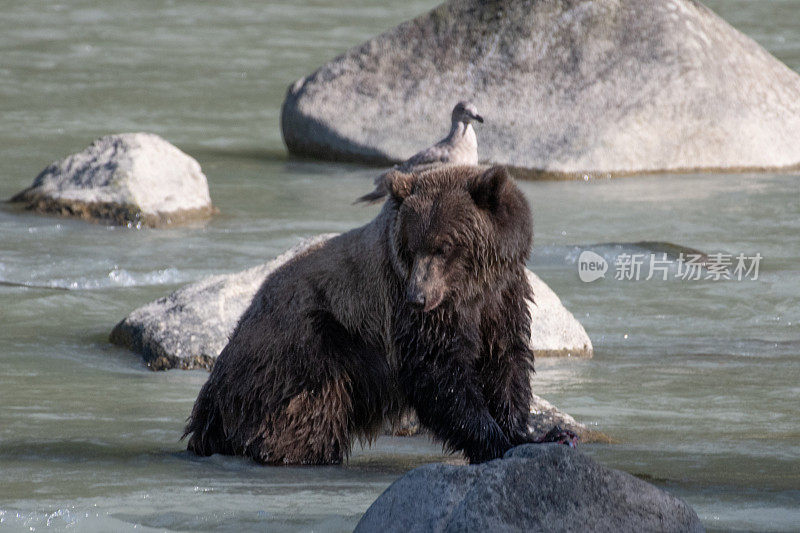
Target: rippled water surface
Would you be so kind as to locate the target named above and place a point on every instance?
(697, 380)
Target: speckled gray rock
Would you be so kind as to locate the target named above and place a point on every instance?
(555, 332)
(565, 87)
(133, 179)
(545, 415)
(545, 487)
(190, 327)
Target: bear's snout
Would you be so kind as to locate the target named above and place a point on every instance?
(425, 288)
(415, 296)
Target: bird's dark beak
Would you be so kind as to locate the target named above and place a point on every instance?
(478, 118)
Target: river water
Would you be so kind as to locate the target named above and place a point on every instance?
(698, 381)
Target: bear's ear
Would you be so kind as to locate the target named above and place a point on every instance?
(399, 184)
(487, 188)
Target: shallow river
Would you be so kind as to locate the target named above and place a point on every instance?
(698, 381)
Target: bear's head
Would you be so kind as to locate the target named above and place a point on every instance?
(457, 231)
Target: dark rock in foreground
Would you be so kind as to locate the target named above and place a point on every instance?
(130, 179)
(565, 87)
(544, 487)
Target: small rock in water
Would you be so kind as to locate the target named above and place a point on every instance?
(543, 418)
(535, 487)
(129, 179)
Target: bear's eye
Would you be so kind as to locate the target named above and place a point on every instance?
(444, 249)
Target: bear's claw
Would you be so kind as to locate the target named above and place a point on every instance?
(561, 436)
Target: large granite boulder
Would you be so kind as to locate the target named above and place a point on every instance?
(130, 179)
(544, 487)
(566, 87)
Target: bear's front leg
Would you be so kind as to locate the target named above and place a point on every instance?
(449, 402)
(505, 374)
(507, 389)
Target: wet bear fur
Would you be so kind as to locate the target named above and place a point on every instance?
(425, 307)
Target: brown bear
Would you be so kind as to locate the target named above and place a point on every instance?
(425, 307)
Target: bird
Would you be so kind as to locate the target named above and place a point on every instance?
(460, 147)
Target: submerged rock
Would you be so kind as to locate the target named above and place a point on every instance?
(133, 179)
(565, 87)
(536, 487)
(543, 417)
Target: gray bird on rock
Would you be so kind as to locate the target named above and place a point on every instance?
(460, 147)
